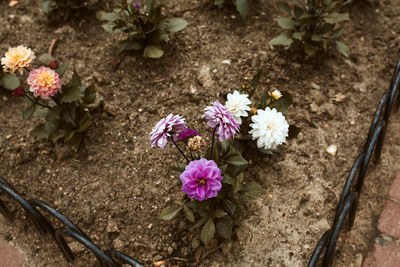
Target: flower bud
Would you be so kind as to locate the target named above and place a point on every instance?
(196, 142)
(18, 91)
(54, 65)
(276, 94)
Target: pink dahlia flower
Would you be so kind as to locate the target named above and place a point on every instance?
(220, 117)
(166, 129)
(201, 179)
(44, 82)
(187, 133)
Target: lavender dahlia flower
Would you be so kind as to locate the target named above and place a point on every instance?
(201, 179)
(166, 129)
(187, 133)
(217, 114)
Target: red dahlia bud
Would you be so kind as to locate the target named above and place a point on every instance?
(18, 91)
(54, 65)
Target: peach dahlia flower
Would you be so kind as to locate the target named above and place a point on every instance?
(44, 82)
(17, 58)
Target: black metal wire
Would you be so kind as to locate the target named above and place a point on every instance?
(347, 206)
(70, 229)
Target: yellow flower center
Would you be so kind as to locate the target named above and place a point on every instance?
(202, 181)
(45, 78)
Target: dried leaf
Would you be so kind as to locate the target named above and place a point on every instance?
(339, 97)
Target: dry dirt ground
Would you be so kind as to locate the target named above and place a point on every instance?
(115, 187)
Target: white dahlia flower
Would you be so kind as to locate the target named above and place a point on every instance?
(238, 105)
(270, 128)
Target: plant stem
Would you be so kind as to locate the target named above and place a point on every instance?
(180, 150)
(34, 101)
(212, 143)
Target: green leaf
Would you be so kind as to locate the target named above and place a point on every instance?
(310, 50)
(68, 114)
(39, 131)
(90, 95)
(254, 83)
(168, 213)
(68, 136)
(109, 16)
(152, 51)
(298, 11)
(46, 5)
(75, 80)
(76, 141)
(298, 35)
(219, 3)
(85, 125)
(285, 23)
(253, 190)
(237, 160)
(108, 27)
(28, 112)
(50, 126)
(293, 132)
(219, 213)
(342, 48)
(207, 232)
(53, 114)
(316, 37)
(199, 222)
(238, 183)
(282, 39)
(336, 17)
(70, 94)
(176, 25)
(282, 105)
(189, 213)
(243, 7)
(284, 7)
(230, 207)
(337, 33)
(61, 69)
(129, 45)
(10, 81)
(224, 227)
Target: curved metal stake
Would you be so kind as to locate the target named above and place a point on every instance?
(318, 249)
(37, 217)
(368, 153)
(61, 218)
(100, 255)
(349, 183)
(337, 228)
(124, 258)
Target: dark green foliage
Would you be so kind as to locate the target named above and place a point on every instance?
(312, 25)
(215, 215)
(63, 9)
(66, 114)
(8, 81)
(242, 6)
(144, 28)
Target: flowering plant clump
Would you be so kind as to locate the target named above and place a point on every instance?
(143, 26)
(242, 6)
(212, 179)
(64, 106)
(312, 26)
(63, 9)
(264, 121)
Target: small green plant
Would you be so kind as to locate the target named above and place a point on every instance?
(8, 81)
(63, 9)
(242, 6)
(143, 27)
(312, 25)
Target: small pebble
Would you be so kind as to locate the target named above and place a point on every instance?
(331, 150)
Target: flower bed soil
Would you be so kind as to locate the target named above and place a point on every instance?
(115, 187)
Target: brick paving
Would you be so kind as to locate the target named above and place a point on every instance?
(385, 253)
(10, 256)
